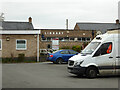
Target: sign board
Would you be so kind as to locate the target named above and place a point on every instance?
(55, 44)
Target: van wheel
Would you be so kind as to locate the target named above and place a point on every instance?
(59, 61)
(91, 72)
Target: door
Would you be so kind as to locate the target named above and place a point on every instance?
(65, 55)
(117, 55)
(104, 59)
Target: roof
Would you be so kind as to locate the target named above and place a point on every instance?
(21, 32)
(103, 27)
(8, 25)
(57, 29)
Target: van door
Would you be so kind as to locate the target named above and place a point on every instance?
(104, 59)
(117, 55)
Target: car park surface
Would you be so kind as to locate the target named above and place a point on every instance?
(49, 75)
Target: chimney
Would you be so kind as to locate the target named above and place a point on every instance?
(30, 20)
(117, 21)
(66, 24)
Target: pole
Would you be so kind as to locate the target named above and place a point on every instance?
(38, 47)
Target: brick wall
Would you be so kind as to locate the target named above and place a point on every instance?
(66, 33)
(9, 47)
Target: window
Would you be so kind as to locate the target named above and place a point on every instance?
(88, 39)
(105, 48)
(91, 47)
(83, 39)
(45, 32)
(62, 32)
(72, 52)
(50, 33)
(48, 38)
(64, 52)
(21, 44)
(56, 32)
(44, 39)
(59, 32)
(61, 39)
(79, 39)
(0, 44)
(71, 39)
(53, 32)
(66, 38)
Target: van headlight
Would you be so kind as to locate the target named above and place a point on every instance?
(78, 63)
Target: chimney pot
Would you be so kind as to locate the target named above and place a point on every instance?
(30, 20)
(117, 21)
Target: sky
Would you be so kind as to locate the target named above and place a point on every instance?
(52, 14)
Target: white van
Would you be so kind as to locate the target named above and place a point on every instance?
(100, 57)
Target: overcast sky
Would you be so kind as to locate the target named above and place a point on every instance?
(52, 14)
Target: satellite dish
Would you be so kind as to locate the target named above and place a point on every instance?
(98, 33)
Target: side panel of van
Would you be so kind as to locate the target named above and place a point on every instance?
(117, 54)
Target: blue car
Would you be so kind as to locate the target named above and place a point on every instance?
(61, 56)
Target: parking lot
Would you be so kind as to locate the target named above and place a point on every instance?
(48, 75)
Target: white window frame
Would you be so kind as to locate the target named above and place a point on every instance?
(21, 48)
(1, 44)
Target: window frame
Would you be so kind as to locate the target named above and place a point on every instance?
(99, 50)
(21, 48)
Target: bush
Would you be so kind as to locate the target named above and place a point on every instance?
(76, 48)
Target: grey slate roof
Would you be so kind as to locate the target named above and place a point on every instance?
(8, 25)
(103, 27)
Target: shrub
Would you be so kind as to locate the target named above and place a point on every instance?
(76, 48)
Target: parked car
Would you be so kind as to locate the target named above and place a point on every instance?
(60, 56)
(100, 57)
(45, 51)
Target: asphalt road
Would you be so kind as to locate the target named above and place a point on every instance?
(48, 75)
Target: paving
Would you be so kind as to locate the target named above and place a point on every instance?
(49, 75)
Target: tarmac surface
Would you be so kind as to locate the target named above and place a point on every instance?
(49, 75)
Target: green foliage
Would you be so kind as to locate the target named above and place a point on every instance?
(77, 48)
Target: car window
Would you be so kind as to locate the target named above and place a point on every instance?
(72, 52)
(105, 48)
(64, 52)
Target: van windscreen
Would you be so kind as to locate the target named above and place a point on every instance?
(90, 48)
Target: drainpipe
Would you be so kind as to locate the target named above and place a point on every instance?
(38, 46)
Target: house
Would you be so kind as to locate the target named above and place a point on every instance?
(18, 38)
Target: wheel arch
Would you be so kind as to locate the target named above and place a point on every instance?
(93, 67)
